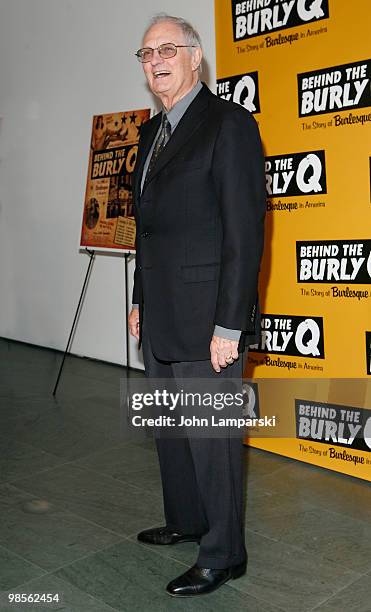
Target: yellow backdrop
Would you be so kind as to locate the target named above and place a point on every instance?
(303, 69)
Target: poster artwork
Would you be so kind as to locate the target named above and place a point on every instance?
(108, 222)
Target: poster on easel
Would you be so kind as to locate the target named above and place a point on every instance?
(108, 223)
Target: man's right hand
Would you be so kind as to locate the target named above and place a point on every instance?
(133, 320)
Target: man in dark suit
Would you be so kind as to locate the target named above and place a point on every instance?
(199, 202)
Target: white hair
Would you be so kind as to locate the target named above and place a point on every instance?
(191, 36)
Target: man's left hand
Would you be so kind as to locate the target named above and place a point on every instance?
(223, 352)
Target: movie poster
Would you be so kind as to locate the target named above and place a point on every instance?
(108, 222)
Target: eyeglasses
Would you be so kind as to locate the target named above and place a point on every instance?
(165, 51)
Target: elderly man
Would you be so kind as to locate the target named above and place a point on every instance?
(199, 201)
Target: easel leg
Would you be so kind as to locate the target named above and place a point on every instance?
(92, 257)
(127, 255)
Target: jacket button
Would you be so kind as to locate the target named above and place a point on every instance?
(140, 268)
(145, 234)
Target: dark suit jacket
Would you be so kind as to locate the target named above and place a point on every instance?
(200, 225)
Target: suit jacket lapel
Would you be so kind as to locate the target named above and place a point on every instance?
(148, 135)
(191, 120)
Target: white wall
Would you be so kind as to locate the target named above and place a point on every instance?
(62, 61)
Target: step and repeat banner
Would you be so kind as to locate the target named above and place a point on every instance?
(302, 67)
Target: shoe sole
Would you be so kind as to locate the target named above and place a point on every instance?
(198, 540)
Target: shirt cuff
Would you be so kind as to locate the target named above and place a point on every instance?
(135, 305)
(225, 332)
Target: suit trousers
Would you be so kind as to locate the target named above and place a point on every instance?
(202, 478)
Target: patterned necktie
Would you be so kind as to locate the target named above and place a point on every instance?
(160, 143)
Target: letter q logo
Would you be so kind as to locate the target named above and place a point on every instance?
(367, 432)
(245, 84)
(312, 184)
(311, 346)
(249, 398)
(314, 10)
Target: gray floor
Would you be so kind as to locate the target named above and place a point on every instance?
(308, 530)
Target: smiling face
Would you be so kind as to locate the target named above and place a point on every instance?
(170, 79)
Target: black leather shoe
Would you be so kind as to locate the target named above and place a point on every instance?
(202, 580)
(165, 535)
